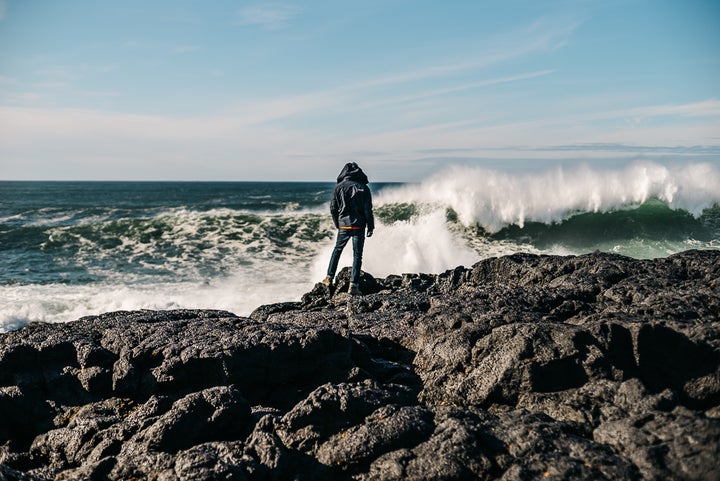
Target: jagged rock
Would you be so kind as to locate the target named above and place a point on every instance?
(214, 414)
(675, 445)
(210, 461)
(541, 447)
(460, 446)
(389, 428)
(331, 409)
(520, 367)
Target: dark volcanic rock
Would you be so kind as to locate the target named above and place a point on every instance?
(521, 367)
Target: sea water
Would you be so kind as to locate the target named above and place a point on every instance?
(71, 249)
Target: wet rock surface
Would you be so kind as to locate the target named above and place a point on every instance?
(521, 367)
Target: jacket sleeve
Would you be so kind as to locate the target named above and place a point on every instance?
(334, 210)
(368, 208)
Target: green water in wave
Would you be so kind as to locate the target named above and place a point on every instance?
(650, 230)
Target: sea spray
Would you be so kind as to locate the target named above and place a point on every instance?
(495, 199)
(423, 243)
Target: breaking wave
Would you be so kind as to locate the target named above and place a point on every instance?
(495, 200)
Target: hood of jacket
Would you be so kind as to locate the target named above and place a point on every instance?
(353, 172)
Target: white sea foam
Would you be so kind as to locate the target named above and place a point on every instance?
(240, 293)
(495, 199)
(425, 243)
(195, 260)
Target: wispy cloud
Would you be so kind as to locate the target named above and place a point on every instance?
(636, 116)
(534, 41)
(271, 16)
(705, 108)
(261, 112)
(553, 38)
(2, 9)
(457, 88)
(347, 94)
(447, 69)
(539, 138)
(362, 93)
(629, 148)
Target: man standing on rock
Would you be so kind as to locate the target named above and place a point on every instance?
(351, 210)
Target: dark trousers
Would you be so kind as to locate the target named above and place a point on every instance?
(358, 238)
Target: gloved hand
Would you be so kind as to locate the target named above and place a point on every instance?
(370, 233)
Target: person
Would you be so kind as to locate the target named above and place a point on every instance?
(352, 214)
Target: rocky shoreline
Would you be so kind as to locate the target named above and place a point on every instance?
(521, 367)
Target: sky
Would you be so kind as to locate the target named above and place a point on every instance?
(291, 90)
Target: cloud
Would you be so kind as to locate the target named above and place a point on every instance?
(347, 94)
(2, 9)
(630, 148)
(271, 16)
(509, 53)
(635, 117)
(538, 138)
(456, 88)
(535, 39)
(705, 108)
(86, 144)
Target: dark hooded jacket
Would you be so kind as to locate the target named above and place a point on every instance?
(351, 204)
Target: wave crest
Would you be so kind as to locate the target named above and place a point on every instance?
(495, 199)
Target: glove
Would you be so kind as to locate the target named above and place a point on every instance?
(370, 233)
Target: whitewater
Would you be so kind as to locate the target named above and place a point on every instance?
(75, 249)
(497, 199)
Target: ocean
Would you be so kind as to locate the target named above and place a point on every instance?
(72, 249)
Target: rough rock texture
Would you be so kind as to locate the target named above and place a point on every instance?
(521, 367)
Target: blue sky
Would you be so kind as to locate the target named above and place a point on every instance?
(290, 90)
